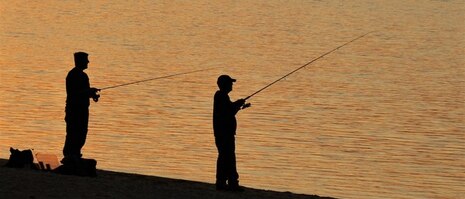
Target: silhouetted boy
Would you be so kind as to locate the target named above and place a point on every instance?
(224, 127)
(78, 92)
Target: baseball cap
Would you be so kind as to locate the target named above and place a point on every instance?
(222, 79)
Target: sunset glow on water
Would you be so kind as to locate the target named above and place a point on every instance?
(382, 117)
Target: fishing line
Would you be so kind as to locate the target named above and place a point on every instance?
(156, 78)
(321, 56)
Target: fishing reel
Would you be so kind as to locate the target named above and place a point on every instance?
(246, 105)
(95, 94)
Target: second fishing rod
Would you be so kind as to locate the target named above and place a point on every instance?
(303, 66)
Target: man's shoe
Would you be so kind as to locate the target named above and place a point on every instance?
(69, 160)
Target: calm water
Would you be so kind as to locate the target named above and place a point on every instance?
(380, 118)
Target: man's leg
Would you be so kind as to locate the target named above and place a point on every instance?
(221, 175)
(76, 132)
(233, 176)
(69, 148)
(83, 128)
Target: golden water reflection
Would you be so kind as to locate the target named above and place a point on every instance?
(380, 118)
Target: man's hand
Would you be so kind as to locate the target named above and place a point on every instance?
(246, 106)
(240, 102)
(94, 94)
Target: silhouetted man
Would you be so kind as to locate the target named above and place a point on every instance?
(78, 92)
(224, 127)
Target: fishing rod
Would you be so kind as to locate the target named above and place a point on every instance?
(156, 78)
(321, 56)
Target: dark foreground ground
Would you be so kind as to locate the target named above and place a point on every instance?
(32, 184)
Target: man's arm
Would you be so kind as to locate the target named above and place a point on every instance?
(236, 106)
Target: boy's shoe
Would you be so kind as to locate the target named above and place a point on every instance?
(221, 186)
(236, 188)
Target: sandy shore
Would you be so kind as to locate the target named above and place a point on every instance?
(27, 183)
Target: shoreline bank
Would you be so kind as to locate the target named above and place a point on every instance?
(28, 183)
